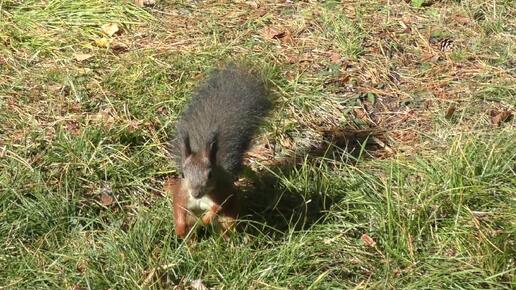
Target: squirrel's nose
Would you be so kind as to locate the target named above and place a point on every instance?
(197, 194)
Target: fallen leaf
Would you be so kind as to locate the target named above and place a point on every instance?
(461, 19)
(119, 48)
(428, 56)
(292, 58)
(259, 12)
(497, 118)
(335, 57)
(102, 42)
(274, 33)
(344, 78)
(235, 14)
(103, 118)
(360, 114)
(449, 112)
(82, 56)
(81, 267)
(394, 77)
(405, 26)
(106, 199)
(73, 127)
(109, 29)
(405, 136)
(368, 240)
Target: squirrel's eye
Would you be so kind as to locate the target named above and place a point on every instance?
(209, 175)
(182, 175)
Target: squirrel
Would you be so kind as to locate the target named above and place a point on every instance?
(212, 135)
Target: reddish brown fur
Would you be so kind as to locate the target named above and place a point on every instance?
(226, 207)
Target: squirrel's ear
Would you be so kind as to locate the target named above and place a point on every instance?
(186, 150)
(211, 147)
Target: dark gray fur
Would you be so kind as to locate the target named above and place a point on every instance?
(228, 106)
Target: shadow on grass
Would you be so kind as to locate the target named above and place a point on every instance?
(269, 206)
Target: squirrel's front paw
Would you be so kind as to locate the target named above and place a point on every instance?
(208, 217)
(181, 229)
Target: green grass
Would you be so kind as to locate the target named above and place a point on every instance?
(362, 146)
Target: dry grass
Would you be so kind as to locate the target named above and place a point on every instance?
(391, 120)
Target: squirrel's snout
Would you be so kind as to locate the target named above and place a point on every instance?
(197, 194)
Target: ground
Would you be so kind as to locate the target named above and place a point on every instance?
(388, 162)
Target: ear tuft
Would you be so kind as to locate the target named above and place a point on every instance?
(211, 146)
(186, 150)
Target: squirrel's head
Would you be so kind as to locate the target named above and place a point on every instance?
(197, 167)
